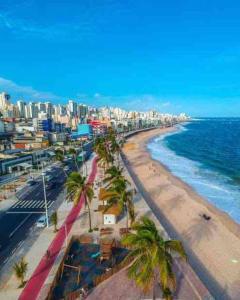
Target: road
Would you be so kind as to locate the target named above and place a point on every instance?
(17, 221)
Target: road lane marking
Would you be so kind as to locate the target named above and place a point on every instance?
(23, 221)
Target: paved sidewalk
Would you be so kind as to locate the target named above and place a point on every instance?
(36, 281)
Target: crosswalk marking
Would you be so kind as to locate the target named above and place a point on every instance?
(29, 204)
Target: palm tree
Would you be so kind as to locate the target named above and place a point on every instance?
(54, 220)
(119, 194)
(76, 187)
(59, 155)
(20, 270)
(152, 257)
(105, 157)
(112, 173)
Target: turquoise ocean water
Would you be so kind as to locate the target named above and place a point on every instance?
(205, 153)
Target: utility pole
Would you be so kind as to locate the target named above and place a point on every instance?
(45, 197)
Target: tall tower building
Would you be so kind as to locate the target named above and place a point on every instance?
(72, 108)
(49, 109)
(32, 110)
(4, 100)
(21, 108)
(41, 107)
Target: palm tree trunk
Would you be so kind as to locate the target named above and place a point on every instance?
(89, 216)
(154, 295)
(127, 218)
(22, 280)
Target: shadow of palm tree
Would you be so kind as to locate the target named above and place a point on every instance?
(200, 230)
(235, 289)
(174, 203)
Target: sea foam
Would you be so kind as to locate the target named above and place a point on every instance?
(212, 185)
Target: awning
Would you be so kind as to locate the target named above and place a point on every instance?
(24, 165)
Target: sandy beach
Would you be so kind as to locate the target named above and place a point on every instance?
(213, 245)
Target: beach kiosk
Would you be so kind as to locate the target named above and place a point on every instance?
(110, 216)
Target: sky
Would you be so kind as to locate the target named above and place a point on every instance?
(173, 56)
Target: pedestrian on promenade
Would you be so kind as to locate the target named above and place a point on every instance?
(48, 255)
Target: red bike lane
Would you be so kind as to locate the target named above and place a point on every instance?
(40, 274)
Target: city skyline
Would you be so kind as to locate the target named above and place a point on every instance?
(166, 56)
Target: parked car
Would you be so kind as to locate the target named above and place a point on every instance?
(42, 222)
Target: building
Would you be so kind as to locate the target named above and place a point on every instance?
(30, 141)
(4, 101)
(82, 112)
(72, 108)
(21, 108)
(57, 137)
(83, 131)
(14, 160)
(41, 107)
(49, 109)
(31, 110)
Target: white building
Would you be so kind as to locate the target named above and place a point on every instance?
(4, 101)
(72, 108)
(21, 108)
(31, 110)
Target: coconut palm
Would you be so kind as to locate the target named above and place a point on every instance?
(119, 194)
(76, 188)
(102, 147)
(20, 270)
(115, 149)
(59, 155)
(152, 257)
(112, 174)
(54, 220)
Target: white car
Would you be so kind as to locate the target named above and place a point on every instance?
(42, 222)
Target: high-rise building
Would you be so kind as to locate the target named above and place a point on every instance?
(82, 111)
(4, 100)
(41, 107)
(32, 110)
(72, 108)
(49, 109)
(21, 108)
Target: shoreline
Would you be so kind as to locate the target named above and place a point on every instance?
(216, 242)
(229, 222)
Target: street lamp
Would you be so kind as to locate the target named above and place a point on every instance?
(45, 197)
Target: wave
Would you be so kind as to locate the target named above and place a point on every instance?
(217, 188)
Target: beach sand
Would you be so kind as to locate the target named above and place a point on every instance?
(213, 244)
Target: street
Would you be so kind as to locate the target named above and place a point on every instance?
(20, 219)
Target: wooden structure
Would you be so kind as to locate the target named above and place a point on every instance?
(78, 269)
(106, 245)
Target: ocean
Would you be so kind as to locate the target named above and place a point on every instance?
(205, 153)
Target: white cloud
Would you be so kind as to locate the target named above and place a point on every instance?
(130, 102)
(24, 92)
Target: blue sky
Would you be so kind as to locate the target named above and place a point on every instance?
(172, 56)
